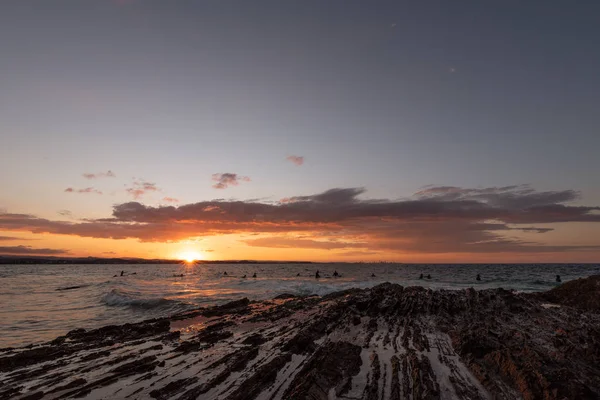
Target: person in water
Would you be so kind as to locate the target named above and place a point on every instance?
(298, 274)
(428, 276)
(335, 273)
(122, 272)
(421, 276)
(317, 276)
(478, 277)
(244, 276)
(558, 278)
(372, 275)
(254, 275)
(225, 273)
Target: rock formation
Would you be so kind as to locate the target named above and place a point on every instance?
(387, 342)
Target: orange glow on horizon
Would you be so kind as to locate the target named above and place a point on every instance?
(190, 256)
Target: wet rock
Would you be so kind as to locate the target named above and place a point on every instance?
(326, 368)
(139, 366)
(304, 341)
(73, 384)
(32, 356)
(173, 388)
(203, 341)
(33, 396)
(120, 333)
(93, 356)
(579, 293)
(257, 382)
(418, 344)
(372, 389)
(233, 307)
(285, 296)
(255, 339)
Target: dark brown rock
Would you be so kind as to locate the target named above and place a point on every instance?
(493, 343)
(329, 366)
(264, 376)
(579, 293)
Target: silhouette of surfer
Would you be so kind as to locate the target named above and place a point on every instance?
(317, 276)
(478, 277)
(428, 276)
(335, 273)
(225, 273)
(558, 278)
(254, 275)
(244, 276)
(298, 274)
(372, 275)
(421, 276)
(122, 272)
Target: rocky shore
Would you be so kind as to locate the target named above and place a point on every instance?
(388, 342)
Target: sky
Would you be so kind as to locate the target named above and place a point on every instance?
(429, 131)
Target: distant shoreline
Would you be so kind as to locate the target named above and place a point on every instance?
(32, 260)
(100, 260)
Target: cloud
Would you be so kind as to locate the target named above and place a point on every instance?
(434, 220)
(283, 242)
(535, 230)
(10, 238)
(170, 199)
(141, 187)
(107, 174)
(85, 190)
(357, 253)
(28, 250)
(510, 197)
(109, 252)
(228, 179)
(298, 160)
(65, 213)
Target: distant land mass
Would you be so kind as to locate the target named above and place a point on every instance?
(125, 260)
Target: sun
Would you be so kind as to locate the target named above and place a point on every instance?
(190, 256)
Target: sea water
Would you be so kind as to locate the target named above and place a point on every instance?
(41, 302)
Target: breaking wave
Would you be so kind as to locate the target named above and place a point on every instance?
(120, 298)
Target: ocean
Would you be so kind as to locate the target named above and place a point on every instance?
(41, 302)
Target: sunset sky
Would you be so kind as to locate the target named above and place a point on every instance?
(425, 131)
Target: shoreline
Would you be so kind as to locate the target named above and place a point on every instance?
(386, 342)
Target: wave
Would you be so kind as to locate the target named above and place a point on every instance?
(119, 298)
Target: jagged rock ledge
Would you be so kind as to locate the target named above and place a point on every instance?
(388, 342)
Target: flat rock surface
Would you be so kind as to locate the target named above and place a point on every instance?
(387, 342)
